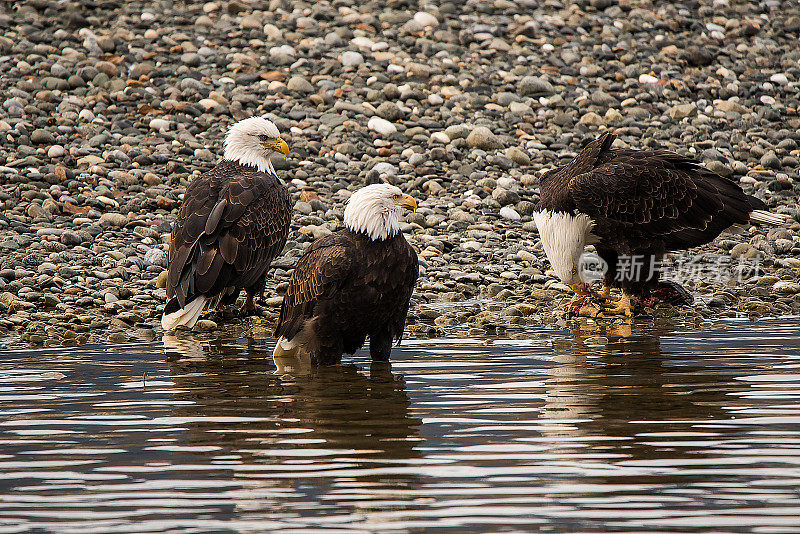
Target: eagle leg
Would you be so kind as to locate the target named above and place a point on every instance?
(250, 307)
(380, 346)
(623, 306)
(582, 293)
(605, 292)
(216, 311)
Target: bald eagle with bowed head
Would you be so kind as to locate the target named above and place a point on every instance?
(351, 284)
(634, 204)
(234, 220)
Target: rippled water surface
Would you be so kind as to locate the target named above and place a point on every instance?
(647, 430)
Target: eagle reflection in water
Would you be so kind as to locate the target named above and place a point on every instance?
(616, 382)
(296, 428)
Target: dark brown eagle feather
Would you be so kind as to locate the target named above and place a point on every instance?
(233, 222)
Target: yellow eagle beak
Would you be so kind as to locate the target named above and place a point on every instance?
(408, 202)
(278, 145)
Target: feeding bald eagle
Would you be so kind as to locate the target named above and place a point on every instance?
(634, 203)
(351, 284)
(234, 220)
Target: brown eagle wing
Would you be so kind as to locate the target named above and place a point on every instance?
(657, 192)
(227, 232)
(554, 184)
(325, 267)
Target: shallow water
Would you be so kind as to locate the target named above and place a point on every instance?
(645, 431)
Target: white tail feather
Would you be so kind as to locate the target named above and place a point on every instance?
(186, 316)
(765, 217)
(285, 348)
(291, 357)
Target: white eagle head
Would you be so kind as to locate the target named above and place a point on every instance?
(251, 141)
(564, 237)
(375, 210)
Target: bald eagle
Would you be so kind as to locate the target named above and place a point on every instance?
(351, 284)
(234, 220)
(634, 204)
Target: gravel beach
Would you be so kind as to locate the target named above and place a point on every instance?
(110, 108)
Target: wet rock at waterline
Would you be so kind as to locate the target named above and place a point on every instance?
(106, 122)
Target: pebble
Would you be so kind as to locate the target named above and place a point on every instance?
(71, 239)
(779, 78)
(351, 58)
(435, 100)
(208, 104)
(719, 168)
(591, 119)
(205, 325)
(504, 196)
(389, 111)
(114, 219)
(425, 19)
(42, 137)
(786, 288)
(156, 256)
(282, 54)
(433, 187)
(457, 131)
(507, 212)
(298, 83)
(105, 126)
(483, 138)
(440, 137)
(161, 125)
(682, 111)
(535, 86)
(730, 106)
(381, 126)
(770, 160)
(56, 151)
(518, 156)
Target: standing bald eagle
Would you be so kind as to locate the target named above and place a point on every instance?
(351, 284)
(234, 220)
(634, 203)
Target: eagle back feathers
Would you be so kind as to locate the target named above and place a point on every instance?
(233, 222)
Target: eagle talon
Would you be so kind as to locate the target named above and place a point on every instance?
(586, 302)
(623, 306)
(216, 312)
(604, 295)
(255, 311)
(582, 292)
(589, 310)
(250, 308)
(210, 314)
